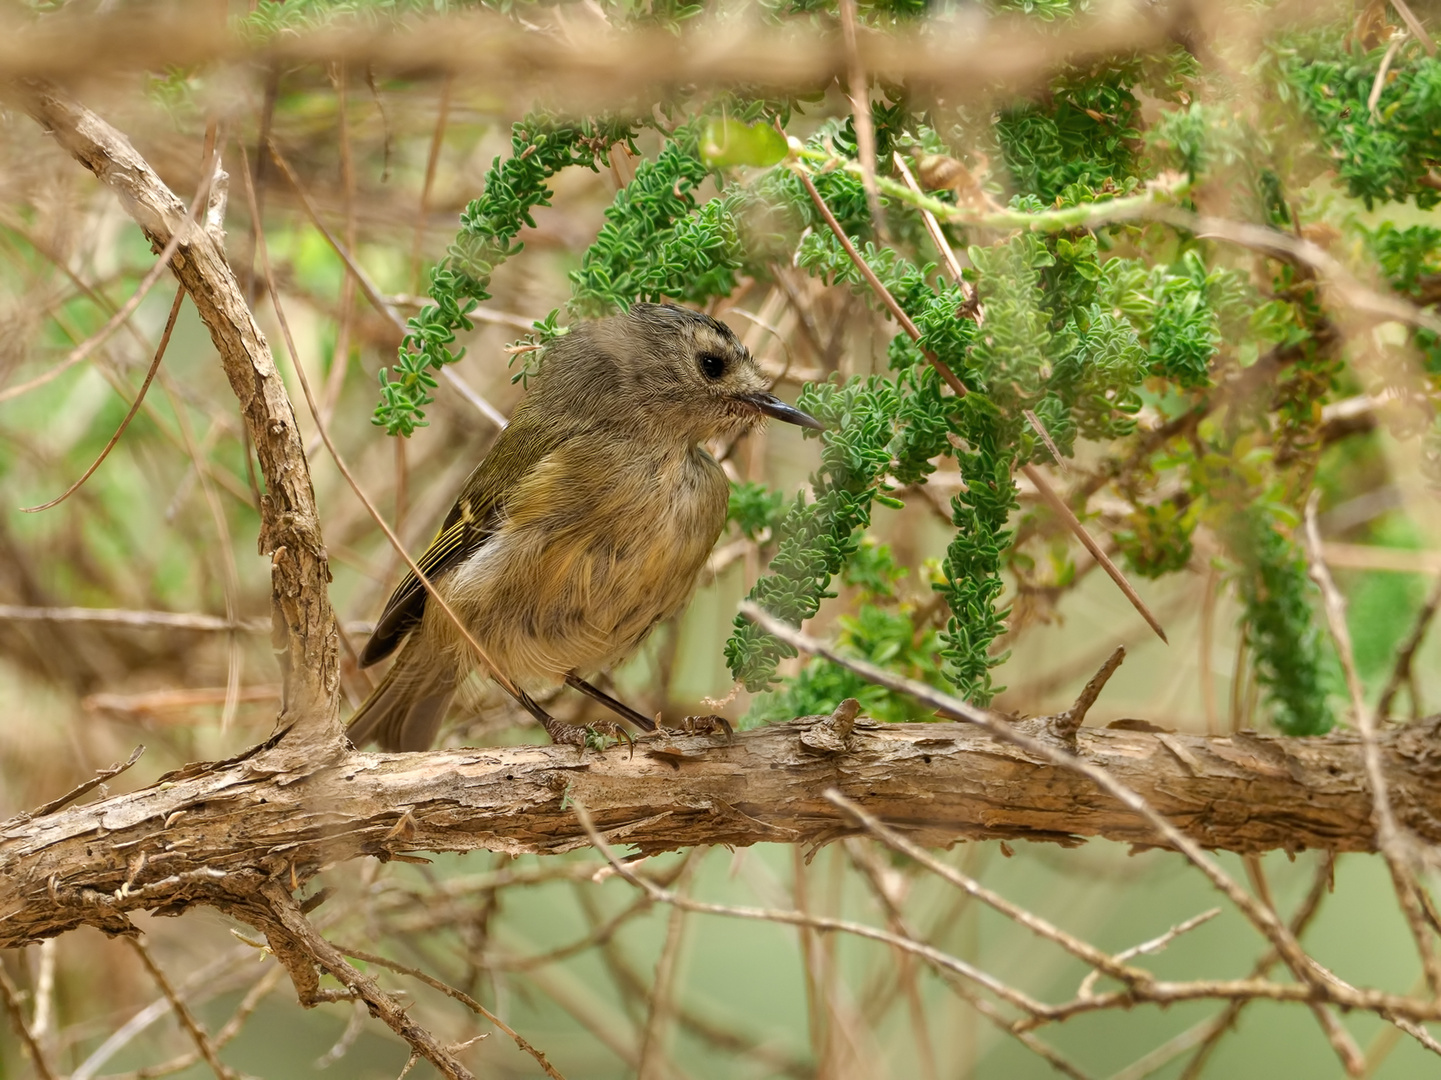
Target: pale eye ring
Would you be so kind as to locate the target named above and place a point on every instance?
(712, 365)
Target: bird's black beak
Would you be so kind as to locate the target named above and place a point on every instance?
(775, 407)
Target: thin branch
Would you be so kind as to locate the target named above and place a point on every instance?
(1316, 977)
(210, 979)
(465, 999)
(1018, 998)
(1415, 25)
(1393, 843)
(88, 786)
(187, 1019)
(11, 995)
(864, 858)
(1379, 83)
(129, 416)
(1401, 669)
(1069, 722)
(150, 620)
(162, 263)
(953, 265)
(298, 944)
(661, 1001)
(865, 128)
(353, 1027)
(1040, 429)
(1087, 953)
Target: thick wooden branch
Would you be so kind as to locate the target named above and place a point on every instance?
(212, 834)
(290, 525)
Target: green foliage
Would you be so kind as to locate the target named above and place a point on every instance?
(1157, 539)
(754, 508)
(1185, 332)
(1280, 624)
(1389, 156)
(1086, 133)
(639, 253)
(541, 146)
(873, 569)
(816, 538)
(1410, 258)
(972, 567)
(886, 638)
(881, 631)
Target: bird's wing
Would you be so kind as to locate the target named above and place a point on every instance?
(471, 521)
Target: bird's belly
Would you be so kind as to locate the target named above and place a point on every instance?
(544, 601)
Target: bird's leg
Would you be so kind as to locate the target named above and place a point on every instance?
(620, 708)
(565, 734)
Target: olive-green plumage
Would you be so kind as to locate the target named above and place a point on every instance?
(585, 525)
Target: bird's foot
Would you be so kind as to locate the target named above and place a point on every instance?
(588, 736)
(705, 725)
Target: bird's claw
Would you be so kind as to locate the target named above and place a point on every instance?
(705, 725)
(596, 733)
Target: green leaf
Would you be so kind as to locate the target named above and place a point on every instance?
(728, 143)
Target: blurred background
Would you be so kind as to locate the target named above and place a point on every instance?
(576, 961)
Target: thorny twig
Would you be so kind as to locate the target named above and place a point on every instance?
(1069, 722)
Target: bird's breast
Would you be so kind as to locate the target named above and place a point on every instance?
(589, 557)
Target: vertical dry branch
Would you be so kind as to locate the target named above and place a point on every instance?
(304, 624)
(1396, 845)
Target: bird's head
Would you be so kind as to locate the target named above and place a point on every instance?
(667, 369)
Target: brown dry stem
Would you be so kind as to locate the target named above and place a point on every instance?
(290, 530)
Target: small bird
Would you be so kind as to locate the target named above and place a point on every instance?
(584, 527)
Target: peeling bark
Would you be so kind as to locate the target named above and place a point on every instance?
(212, 834)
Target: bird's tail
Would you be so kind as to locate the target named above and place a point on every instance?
(404, 712)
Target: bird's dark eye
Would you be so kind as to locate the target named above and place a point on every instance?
(712, 366)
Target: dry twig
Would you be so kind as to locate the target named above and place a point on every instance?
(187, 1019)
(1317, 978)
(1406, 654)
(1394, 844)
